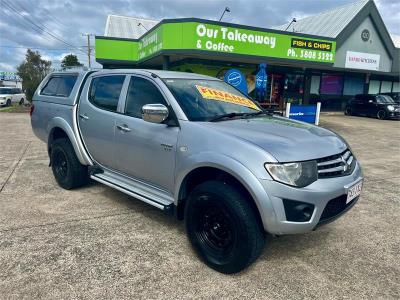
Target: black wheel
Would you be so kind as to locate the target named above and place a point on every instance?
(381, 115)
(21, 102)
(223, 227)
(8, 103)
(348, 111)
(67, 170)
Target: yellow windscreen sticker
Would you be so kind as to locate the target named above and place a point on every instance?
(214, 94)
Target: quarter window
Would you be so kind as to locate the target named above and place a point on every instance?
(59, 86)
(141, 92)
(104, 91)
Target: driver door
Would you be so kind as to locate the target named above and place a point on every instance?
(144, 150)
(371, 106)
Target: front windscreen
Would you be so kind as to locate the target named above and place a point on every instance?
(384, 99)
(204, 100)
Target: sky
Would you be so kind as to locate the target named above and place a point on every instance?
(56, 28)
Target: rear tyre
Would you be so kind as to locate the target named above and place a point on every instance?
(223, 227)
(348, 111)
(8, 103)
(67, 170)
(21, 102)
(381, 115)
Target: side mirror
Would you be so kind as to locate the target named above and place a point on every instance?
(154, 113)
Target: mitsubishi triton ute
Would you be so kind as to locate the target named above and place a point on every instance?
(197, 148)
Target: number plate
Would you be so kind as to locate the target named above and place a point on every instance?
(354, 191)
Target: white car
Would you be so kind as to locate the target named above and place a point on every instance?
(9, 95)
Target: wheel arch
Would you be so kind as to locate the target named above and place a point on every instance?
(59, 128)
(228, 170)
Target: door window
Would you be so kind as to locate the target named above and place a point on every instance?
(104, 91)
(141, 92)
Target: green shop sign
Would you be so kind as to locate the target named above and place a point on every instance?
(204, 36)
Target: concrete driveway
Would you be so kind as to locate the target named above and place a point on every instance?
(96, 242)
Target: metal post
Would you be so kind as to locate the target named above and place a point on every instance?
(88, 44)
(287, 113)
(317, 113)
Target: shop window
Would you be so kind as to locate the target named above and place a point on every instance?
(396, 87)
(293, 89)
(374, 86)
(294, 83)
(386, 87)
(353, 85)
(315, 81)
(331, 84)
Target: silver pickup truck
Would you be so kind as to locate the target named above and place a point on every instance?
(197, 148)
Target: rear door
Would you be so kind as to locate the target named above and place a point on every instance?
(17, 95)
(14, 95)
(362, 104)
(97, 115)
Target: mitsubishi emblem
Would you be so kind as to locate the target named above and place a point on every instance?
(345, 164)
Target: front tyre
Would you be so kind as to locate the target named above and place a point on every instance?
(223, 227)
(67, 170)
(381, 115)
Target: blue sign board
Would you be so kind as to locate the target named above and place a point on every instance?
(305, 113)
(9, 76)
(236, 78)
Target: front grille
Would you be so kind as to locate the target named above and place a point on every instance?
(335, 207)
(341, 164)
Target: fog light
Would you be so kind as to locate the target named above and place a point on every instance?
(297, 211)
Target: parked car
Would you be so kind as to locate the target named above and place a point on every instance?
(10, 95)
(194, 146)
(379, 106)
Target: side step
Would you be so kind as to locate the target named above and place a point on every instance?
(152, 196)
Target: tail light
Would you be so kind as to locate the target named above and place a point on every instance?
(31, 110)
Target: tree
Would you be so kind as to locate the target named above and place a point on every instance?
(32, 71)
(70, 60)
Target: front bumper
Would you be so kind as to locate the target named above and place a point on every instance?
(318, 194)
(394, 115)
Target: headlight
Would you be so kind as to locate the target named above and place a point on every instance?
(299, 174)
(390, 107)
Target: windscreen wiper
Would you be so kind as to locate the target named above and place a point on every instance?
(261, 112)
(226, 116)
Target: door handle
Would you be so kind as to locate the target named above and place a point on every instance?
(124, 128)
(84, 116)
